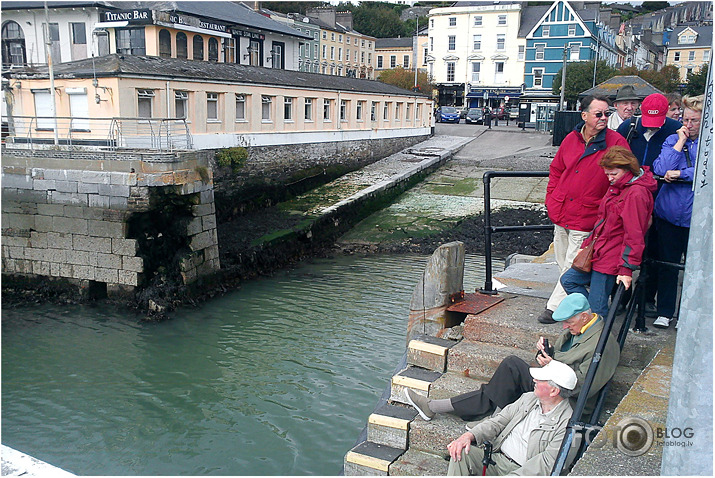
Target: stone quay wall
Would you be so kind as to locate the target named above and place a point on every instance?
(68, 218)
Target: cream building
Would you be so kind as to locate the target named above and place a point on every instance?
(135, 101)
(473, 50)
(689, 49)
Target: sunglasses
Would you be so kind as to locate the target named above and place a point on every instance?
(598, 114)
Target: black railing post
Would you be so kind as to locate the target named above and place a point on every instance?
(487, 235)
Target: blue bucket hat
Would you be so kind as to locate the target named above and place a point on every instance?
(573, 304)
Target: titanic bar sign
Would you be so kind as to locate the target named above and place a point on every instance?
(136, 15)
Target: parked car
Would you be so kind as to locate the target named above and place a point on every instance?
(500, 113)
(463, 111)
(514, 112)
(474, 116)
(447, 114)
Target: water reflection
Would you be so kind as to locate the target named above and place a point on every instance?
(277, 378)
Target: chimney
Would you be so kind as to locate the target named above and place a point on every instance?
(345, 19)
(324, 14)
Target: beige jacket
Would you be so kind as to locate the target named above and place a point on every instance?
(544, 442)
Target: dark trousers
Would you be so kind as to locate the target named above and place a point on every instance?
(672, 244)
(511, 379)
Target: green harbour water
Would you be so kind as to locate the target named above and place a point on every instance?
(276, 378)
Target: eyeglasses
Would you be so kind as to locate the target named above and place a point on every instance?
(598, 114)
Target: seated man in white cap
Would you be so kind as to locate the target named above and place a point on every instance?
(574, 347)
(526, 435)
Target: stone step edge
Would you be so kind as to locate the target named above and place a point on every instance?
(358, 456)
(422, 346)
(389, 422)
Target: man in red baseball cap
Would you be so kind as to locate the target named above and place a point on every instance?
(646, 135)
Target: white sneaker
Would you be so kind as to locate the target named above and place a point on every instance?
(661, 322)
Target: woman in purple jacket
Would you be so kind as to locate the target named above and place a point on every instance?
(674, 204)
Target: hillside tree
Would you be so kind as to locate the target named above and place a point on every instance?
(696, 82)
(579, 78)
(403, 78)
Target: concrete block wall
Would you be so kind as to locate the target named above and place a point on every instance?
(68, 218)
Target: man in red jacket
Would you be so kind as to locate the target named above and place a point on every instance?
(576, 186)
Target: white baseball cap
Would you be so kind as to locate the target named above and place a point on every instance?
(558, 372)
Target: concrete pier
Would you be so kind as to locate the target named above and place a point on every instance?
(16, 463)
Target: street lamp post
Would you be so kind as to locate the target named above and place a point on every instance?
(563, 80)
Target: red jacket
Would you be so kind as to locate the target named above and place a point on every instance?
(623, 219)
(576, 181)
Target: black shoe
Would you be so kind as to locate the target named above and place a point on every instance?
(545, 317)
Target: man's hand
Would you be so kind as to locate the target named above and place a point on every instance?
(626, 280)
(463, 443)
(542, 356)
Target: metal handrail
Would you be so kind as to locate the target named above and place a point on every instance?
(574, 423)
(489, 229)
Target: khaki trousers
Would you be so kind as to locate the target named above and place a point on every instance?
(566, 246)
(471, 464)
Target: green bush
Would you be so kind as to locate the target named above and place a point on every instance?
(233, 157)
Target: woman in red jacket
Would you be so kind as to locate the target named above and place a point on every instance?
(623, 219)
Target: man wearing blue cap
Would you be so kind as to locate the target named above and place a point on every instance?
(575, 348)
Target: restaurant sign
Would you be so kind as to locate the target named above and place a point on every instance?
(178, 19)
(247, 34)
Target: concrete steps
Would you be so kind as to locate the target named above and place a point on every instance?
(389, 426)
(418, 463)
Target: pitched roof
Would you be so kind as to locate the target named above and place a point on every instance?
(388, 43)
(530, 15)
(610, 87)
(226, 12)
(704, 38)
(116, 65)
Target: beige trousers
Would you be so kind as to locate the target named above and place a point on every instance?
(566, 246)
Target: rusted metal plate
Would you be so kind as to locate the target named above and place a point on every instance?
(475, 303)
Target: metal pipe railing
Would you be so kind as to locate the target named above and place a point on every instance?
(489, 229)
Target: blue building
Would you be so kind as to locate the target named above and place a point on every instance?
(565, 26)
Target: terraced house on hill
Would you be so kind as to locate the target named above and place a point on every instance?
(690, 49)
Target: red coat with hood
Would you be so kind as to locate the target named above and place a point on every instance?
(576, 181)
(623, 219)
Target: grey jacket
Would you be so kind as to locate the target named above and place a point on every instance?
(544, 442)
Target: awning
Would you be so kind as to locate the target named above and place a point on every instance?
(494, 92)
(110, 25)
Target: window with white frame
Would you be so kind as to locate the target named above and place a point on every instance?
(325, 35)
(332, 36)
(181, 103)
(575, 51)
(325, 49)
(691, 55)
(340, 38)
(546, 30)
(308, 109)
(408, 110)
(450, 71)
(358, 110)
(501, 20)
(379, 61)
(452, 42)
(476, 42)
(373, 111)
(240, 107)
(676, 56)
(405, 61)
(43, 109)
(478, 21)
(520, 55)
(212, 106)
(326, 109)
(572, 30)
(431, 44)
(501, 42)
(340, 54)
(398, 107)
(539, 51)
(418, 111)
(343, 110)
(431, 23)
(452, 21)
(393, 61)
(266, 106)
(424, 57)
(538, 77)
(706, 56)
(145, 99)
(499, 72)
(386, 111)
(79, 109)
(476, 69)
(288, 109)
(332, 52)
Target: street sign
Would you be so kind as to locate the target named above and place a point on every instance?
(506, 98)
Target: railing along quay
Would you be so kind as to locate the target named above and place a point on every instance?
(160, 134)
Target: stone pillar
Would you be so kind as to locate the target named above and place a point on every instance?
(442, 277)
(691, 388)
